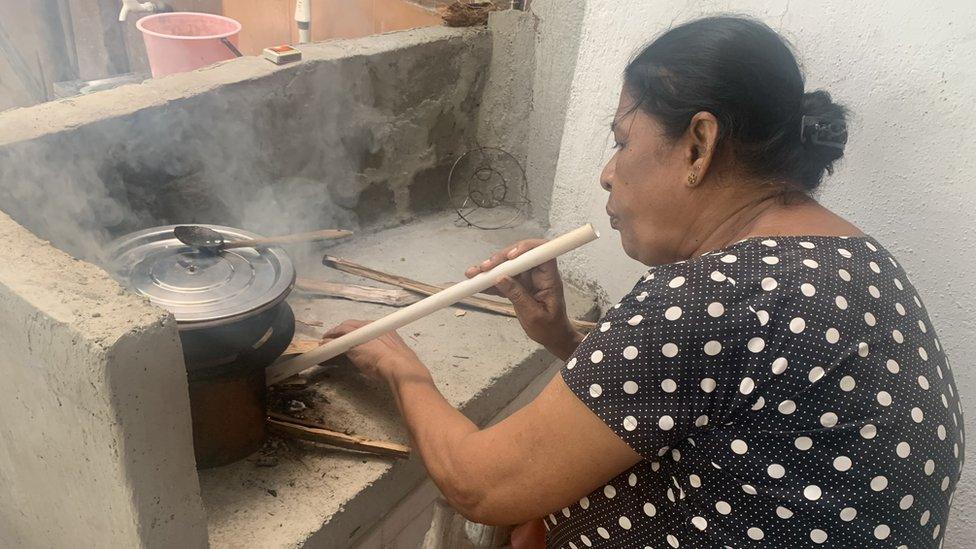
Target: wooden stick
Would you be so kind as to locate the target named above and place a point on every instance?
(299, 346)
(445, 298)
(355, 292)
(326, 234)
(495, 306)
(306, 430)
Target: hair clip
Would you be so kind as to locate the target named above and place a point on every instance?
(828, 132)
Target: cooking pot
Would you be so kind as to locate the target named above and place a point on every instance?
(233, 322)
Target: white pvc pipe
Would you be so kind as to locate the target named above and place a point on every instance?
(444, 298)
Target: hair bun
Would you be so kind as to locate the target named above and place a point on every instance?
(823, 133)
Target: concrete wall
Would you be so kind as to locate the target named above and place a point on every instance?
(905, 69)
(95, 445)
(360, 133)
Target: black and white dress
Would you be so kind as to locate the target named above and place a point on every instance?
(784, 392)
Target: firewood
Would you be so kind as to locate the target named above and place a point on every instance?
(354, 292)
(306, 430)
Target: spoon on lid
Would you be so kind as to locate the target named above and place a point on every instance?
(207, 238)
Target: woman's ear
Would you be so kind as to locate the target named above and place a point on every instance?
(701, 139)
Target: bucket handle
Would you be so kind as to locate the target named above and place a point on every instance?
(232, 47)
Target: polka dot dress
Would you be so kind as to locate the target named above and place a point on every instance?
(784, 392)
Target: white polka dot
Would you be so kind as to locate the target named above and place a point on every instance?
(713, 348)
(673, 313)
(873, 290)
(929, 467)
(566, 512)
(808, 289)
(847, 514)
(728, 258)
(812, 492)
(717, 276)
(807, 245)
(760, 402)
(769, 243)
(723, 507)
(596, 357)
(816, 373)
(779, 365)
(755, 533)
(903, 449)
(844, 252)
(923, 382)
(630, 352)
(776, 470)
(586, 541)
(739, 446)
(596, 390)
(763, 317)
(699, 522)
(783, 512)
(609, 491)
(756, 344)
(672, 541)
(797, 325)
(906, 502)
(862, 349)
(630, 423)
(630, 387)
(769, 284)
(624, 523)
(847, 384)
(641, 296)
(892, 366)
(818, 536)
(787, 407)
(669, 350)
(879, 483)
(716, 309)
(605, 326)
(922, 353)
(585, 503)
(898, 284)
(666, 423)
(844, 275)
(676, 282)
(924, 519)
(940, 432)
(708, 385)
(832, 335)
(828, 419)
(811, 263)
(874, 267)
(669, 385)
(871, 246)
(635, 320)
(749, 489)
(695, 481)
(603, 532)
(897, 336)
(945, 483)
(649, 509)
(868, 431)
(632, 479)
(884, 398)
(869, 319)
(571, 364)
(917, 415)
(901, 309)
(842, 463)
(770, 260)
(921, 326)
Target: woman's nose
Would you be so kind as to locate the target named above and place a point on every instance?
(606, 176)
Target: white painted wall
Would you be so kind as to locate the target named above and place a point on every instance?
(906, 69)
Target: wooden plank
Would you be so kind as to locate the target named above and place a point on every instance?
(306, 430)
(429, 289)
(354, 292)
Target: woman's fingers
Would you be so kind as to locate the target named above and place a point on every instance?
(344, 328)
(505, 254)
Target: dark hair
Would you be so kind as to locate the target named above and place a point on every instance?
(745, 74)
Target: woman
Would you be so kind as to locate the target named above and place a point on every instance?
(772, 380)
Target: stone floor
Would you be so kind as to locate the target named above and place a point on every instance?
(323, 497)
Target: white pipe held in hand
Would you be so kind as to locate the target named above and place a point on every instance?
(444, 298)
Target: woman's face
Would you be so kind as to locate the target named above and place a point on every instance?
(647, 177)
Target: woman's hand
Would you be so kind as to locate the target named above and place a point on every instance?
(382, 358)
(538, 298)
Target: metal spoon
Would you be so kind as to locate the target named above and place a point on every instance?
(207, 238)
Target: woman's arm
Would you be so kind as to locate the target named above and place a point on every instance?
(544, 457)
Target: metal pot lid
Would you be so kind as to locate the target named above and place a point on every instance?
(201, 286)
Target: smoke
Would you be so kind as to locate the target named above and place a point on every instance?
(275, 157)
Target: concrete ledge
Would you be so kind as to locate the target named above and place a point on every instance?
(95, 447)
(481, 362)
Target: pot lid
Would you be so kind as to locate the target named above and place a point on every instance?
(201, 286)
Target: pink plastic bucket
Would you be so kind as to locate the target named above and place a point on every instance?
(184, 41)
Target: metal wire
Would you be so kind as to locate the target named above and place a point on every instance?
(487, 185)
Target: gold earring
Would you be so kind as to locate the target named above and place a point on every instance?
(693, 178)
